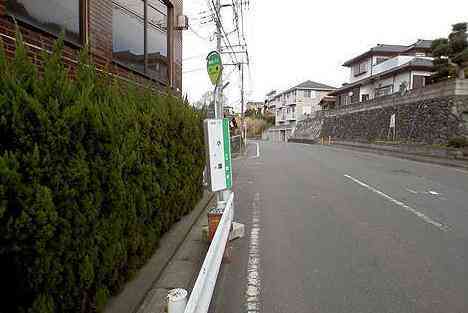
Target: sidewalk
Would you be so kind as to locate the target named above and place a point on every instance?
(175, 264)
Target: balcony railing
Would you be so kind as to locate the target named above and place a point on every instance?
(291, 100)
(292, 116)
(392, 63)
(281, 117)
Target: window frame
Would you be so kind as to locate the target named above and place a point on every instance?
(378, 91)
(360, 68)
(82, 17)
(381, 58)
(169, 35)
(464, 117)
(418, 79)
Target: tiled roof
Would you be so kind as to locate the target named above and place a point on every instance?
(313, 85)
(308, 84)
(388, 48)
(422, 43)
(383, 48)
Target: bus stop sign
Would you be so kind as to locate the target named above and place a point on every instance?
(214, 67)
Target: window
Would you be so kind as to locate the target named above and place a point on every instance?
(129, 36)
(465, 120)
(360, 68)
(365, 97)
(379, 60)
(307, 93)
(356, 69)
(344, 99)
(384, 91)
(363, 67)
(419, 81)
(157, 40)
(52, 16)
(128, 27)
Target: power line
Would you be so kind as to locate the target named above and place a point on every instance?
(194, 70)
(225, 37)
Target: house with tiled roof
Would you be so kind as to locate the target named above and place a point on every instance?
(293, 105)
(385, 69)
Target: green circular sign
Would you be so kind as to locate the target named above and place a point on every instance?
(214, 67)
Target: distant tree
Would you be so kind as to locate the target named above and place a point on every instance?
(251, 113)
(451, 54)
(207, 99)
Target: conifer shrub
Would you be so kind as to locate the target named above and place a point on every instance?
(92, 172)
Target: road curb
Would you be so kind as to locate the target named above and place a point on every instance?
(401, 155)
(135, 291)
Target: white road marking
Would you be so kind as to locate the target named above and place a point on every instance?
(401, 204)
(253, 288)
(461, 171)
(430, 192)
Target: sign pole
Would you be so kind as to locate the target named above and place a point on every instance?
(215, 70)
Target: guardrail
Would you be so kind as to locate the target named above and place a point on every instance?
(202, 292)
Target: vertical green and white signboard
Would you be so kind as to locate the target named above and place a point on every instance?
(227, 153)
(218, 154)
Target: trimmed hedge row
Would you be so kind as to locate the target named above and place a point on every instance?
(92, 172)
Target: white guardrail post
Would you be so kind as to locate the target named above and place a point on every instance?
(200, 297)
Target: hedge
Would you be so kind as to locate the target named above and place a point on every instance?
(92, 172)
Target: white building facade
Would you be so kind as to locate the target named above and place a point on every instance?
(294, 105)
(384, 70)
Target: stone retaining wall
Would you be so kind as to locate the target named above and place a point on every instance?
(431, 115)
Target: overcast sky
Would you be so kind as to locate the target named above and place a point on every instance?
(296, 40)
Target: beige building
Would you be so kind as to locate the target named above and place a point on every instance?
(294, 105)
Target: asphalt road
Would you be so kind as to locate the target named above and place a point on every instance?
(332, 230)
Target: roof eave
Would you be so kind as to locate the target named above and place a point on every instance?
(355, 59)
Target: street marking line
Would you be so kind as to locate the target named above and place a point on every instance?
(412, 191)
(401, 204)
(253, 287)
